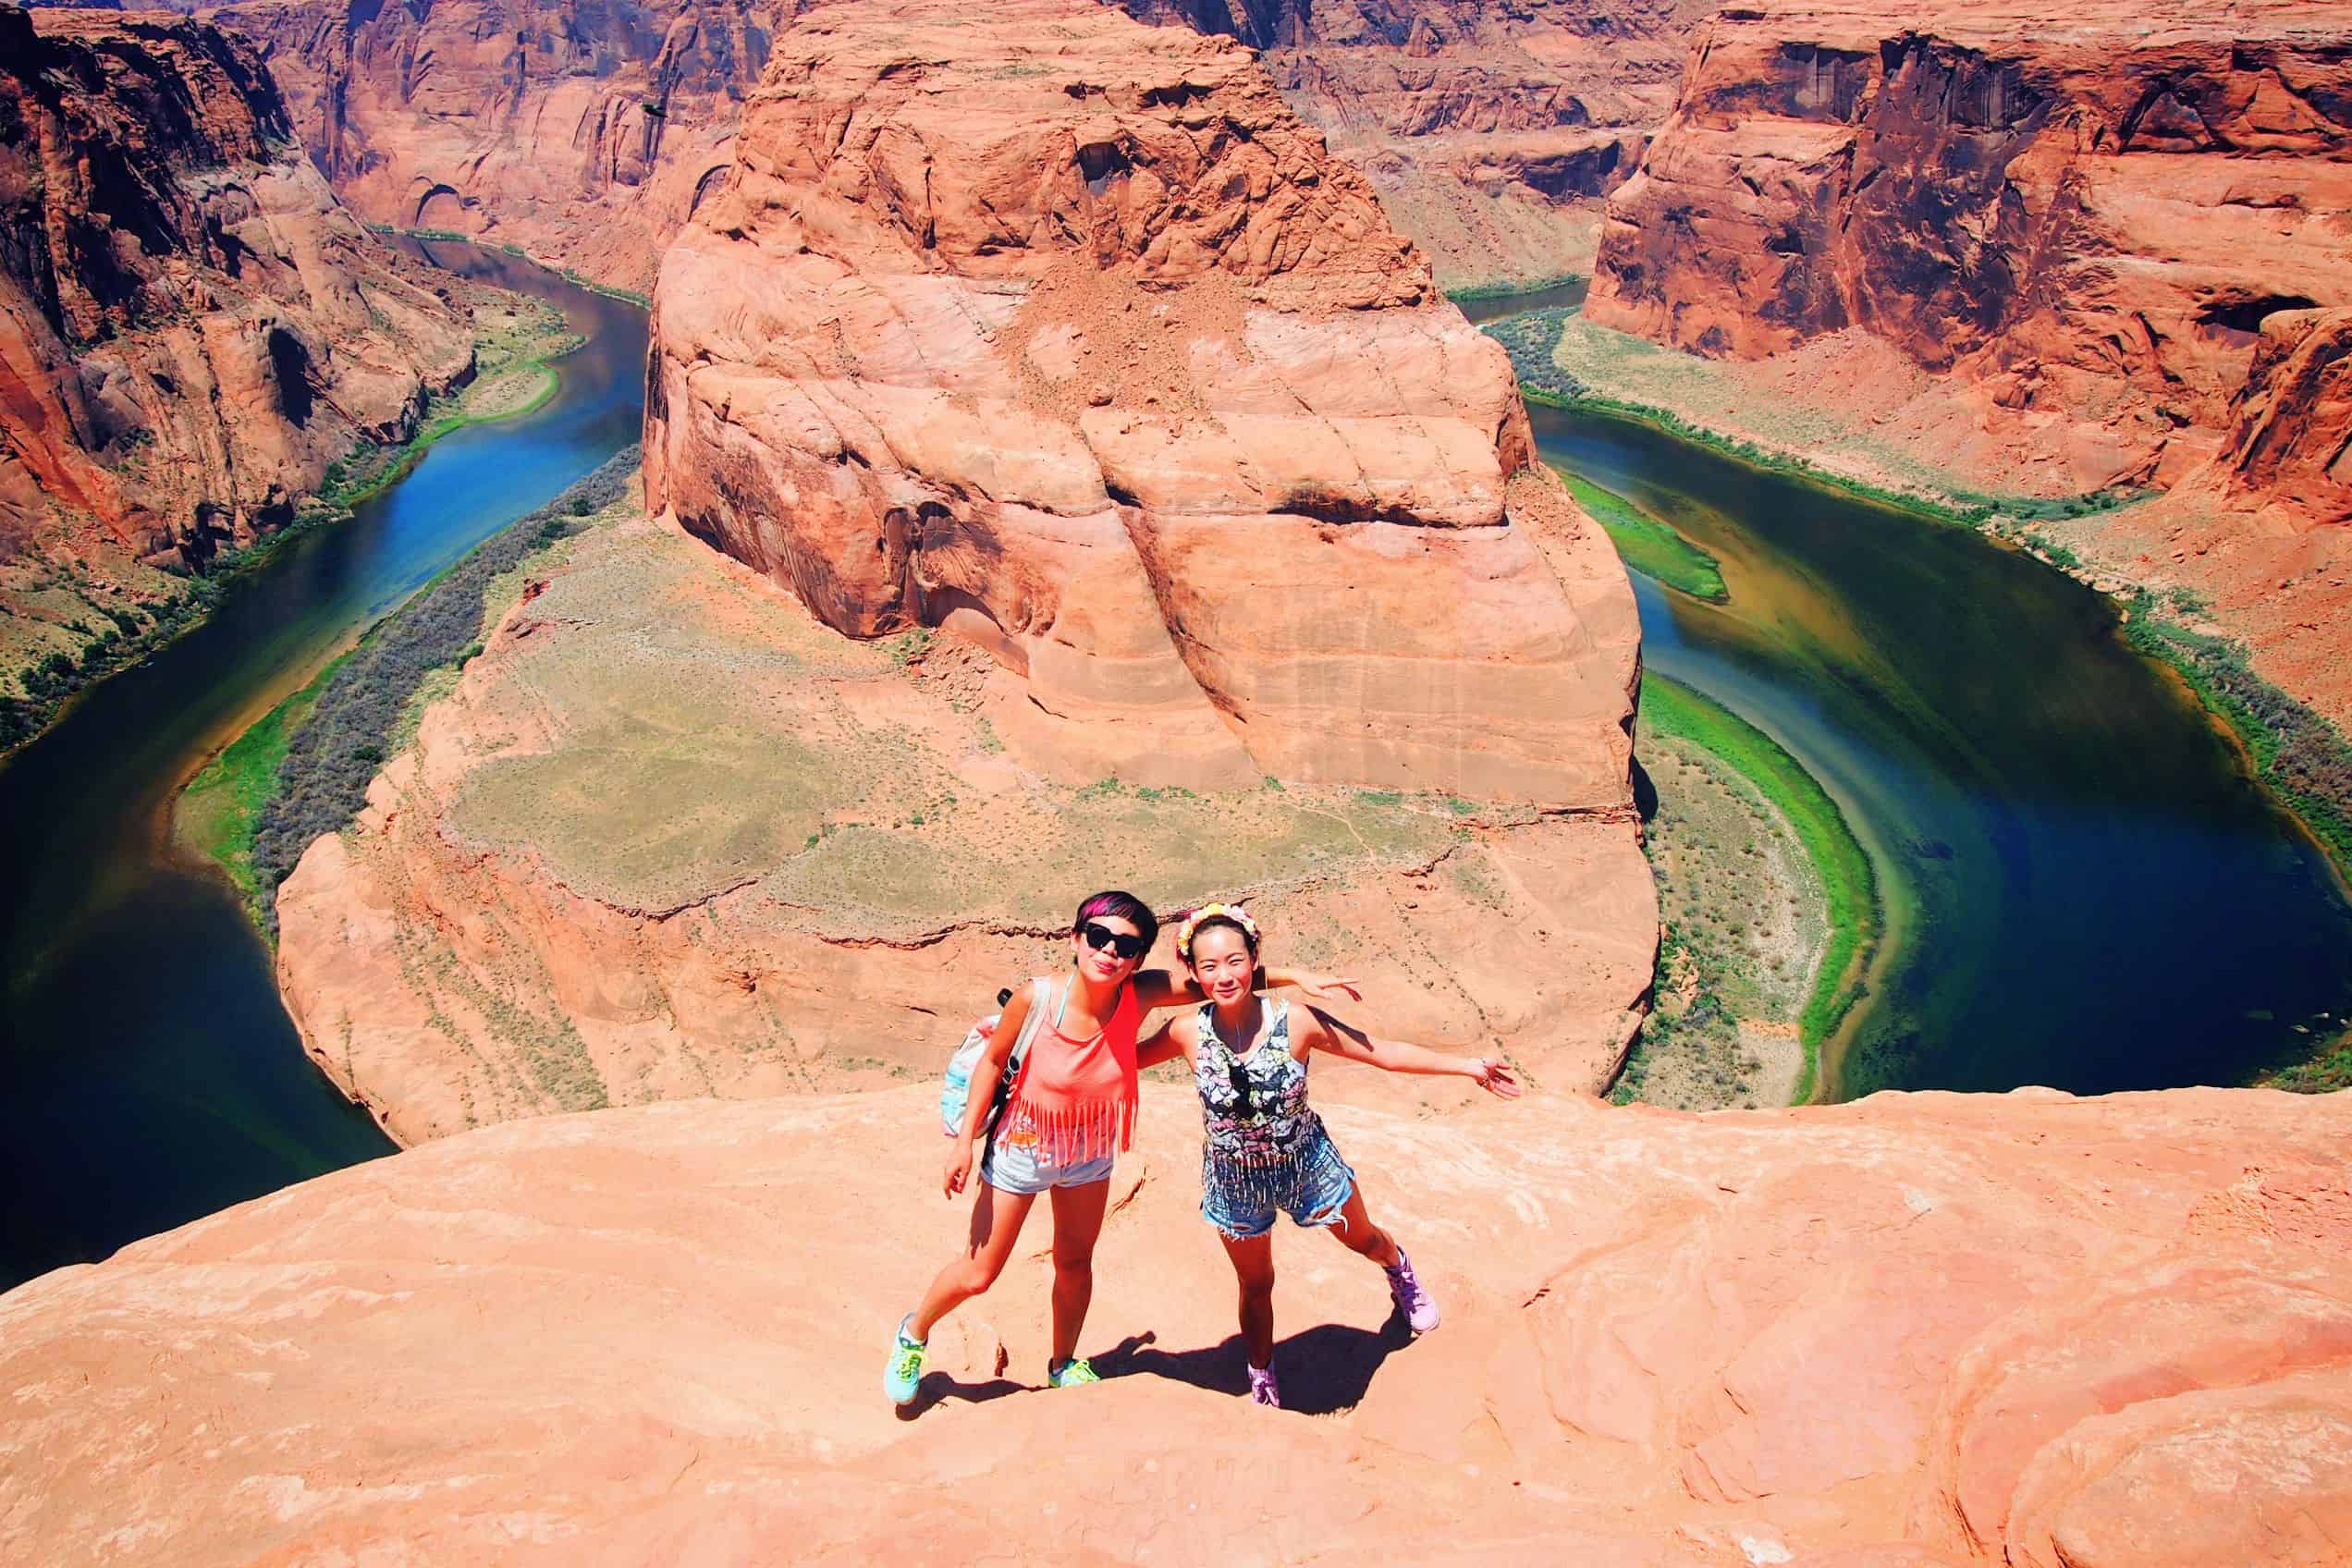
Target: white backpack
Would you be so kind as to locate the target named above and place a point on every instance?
(955, 1093)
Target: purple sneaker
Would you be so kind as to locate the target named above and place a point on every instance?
(1264, 1390)
(1405, 1289)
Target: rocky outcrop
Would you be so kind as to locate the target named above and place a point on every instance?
(2083, 214)
(192, 328)
(670, 837)
(1917, 1330)
(583, 134)
(1491, 131)
(1064, 336)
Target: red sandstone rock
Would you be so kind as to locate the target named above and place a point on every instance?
(1917, 1330)
(1489, 130)
(1064, 334)
(583, 134)
(192, 328)
(2085, 212)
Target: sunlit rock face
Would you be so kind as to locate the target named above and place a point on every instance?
(1919, 1331)
(1064, 335)
(2084, 212)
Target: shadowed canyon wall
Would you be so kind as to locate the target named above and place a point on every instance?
(1491, 131)
(192, 328)
(582, 133)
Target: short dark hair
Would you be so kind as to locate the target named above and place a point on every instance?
(1120, 906)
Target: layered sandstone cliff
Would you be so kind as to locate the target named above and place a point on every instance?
(1918, 1331)
(2083, 216)
(585, 134)
(1491, 131)
(192, 328)
(1066, 336)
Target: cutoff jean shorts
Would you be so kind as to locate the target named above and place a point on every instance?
(1311, 1187)
(1012, 1168)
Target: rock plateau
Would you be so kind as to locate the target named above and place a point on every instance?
(192, 328)
(1918, 1331)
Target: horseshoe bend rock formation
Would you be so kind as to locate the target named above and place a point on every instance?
(2085, 213)
(582, 133)
(192, 328)
(671, 836)
(1064, 334)
(1917, 1330)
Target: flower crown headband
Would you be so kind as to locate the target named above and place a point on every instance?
(1194, 921)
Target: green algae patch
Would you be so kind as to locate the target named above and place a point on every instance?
(1648, 545)
(1852, 915)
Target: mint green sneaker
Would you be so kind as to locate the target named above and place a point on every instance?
(1070, 1374)
(903, 1373)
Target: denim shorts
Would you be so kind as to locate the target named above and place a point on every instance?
(1311, 1187)
(1012, 1170)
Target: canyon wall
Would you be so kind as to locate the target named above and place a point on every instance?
(2084, 215)
(583, 134)
(192, 328)
(1915, 1332)
(1490, 132)
(1064, 335)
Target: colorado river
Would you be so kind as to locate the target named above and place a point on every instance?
(148, 1073)
(2086, 887)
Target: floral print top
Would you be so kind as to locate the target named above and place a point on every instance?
(1253, 1106)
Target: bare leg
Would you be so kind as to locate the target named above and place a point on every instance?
(997, 1219)
(1078, 1219)
(1253, 1269)
(1358, 1234)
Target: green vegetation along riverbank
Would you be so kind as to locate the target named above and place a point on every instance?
(303, 768)
(517, 339)
(1770, 905)
(1650, 546)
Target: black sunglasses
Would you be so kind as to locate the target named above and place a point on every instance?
(1099, 937)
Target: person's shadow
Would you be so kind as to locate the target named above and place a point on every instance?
(937, 1387)
(1324, 1369)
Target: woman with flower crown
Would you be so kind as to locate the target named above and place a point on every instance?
(1264, 1149)
(1069, 1111)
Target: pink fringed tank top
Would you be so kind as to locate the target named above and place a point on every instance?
(1075, 1098)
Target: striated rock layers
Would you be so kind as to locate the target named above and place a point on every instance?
(1489, 131)
(582, 133)
(1064, 335)
(2086, 215)
(1916, 1330)
(192, 328)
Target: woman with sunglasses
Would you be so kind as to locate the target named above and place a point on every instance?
(1265, 1149)
(1070, 1112)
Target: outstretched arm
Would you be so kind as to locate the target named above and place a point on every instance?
(1343, 1039)
(1157, 988)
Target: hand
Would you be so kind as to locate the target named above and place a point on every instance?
(1494, 1077)
(1328, 988)
(959, 1170)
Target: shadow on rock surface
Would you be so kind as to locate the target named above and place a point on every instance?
(1325, 1370)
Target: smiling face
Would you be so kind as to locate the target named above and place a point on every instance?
(1104, 963)
(1223, 964)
